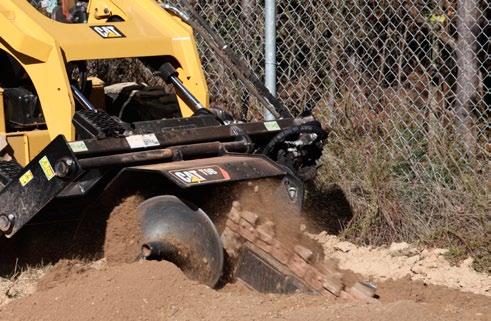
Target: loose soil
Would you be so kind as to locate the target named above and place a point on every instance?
(123, 235)
(159, 291)
(413, 284)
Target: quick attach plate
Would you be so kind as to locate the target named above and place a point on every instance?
(36, 185)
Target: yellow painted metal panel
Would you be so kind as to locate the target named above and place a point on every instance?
(20, 146)
(38, 140)
(44, 47)
(27, 145)
(19, 40)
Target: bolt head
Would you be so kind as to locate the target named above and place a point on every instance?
(5, 223)
(64, 167)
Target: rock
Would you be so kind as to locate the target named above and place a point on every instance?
(344, 247)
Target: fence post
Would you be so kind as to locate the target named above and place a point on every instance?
(270, 50)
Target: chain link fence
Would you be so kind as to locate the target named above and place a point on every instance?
(405, 88)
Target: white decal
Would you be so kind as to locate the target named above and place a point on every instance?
(78, 147)
(142, 141)
(272, 126)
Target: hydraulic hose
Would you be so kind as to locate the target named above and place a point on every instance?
(313, 127)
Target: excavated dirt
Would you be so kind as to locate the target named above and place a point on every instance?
(410, 285)
(123, 235)
(159, 291)
(66, 271)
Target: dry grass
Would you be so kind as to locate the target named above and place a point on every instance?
(20, 283)
(416, 190)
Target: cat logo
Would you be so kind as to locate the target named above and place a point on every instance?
(202, 175)
(108, 32)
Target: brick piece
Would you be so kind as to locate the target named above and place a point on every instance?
(345, 295)
(250, 217)
(314, 278)
(266, 247)
(362, 291)
(231, 242)
(234, 215)
(247, 231)
(333, 285)
(268, 239)
(280, 253)
(298, 266)
(268, 227)
(304, 253)
(266, 232)
(233, 226)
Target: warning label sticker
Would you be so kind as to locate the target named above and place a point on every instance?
(26, 178)
(47, 168)
(195, 176)
(142, 141)
(78, 147)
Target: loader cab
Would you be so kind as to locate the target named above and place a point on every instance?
(66, 11)
(46, 47)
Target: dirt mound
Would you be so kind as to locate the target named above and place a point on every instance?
(123, 236)
(159, 291)
(402, 260)
(67, 270)
(417, 291)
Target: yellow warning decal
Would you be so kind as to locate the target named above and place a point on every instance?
(26, 178)
(47, 169)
